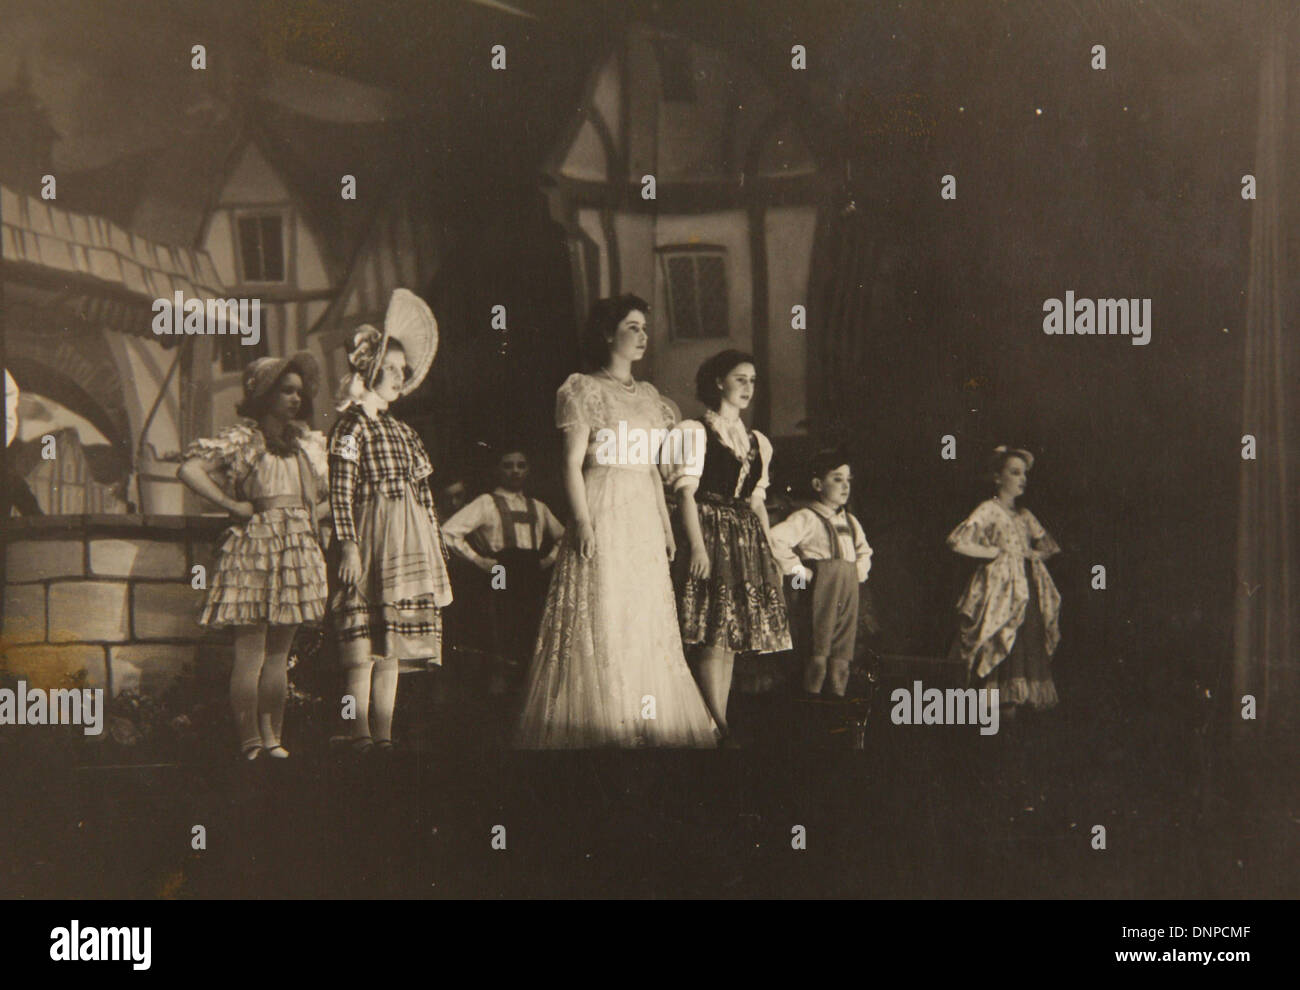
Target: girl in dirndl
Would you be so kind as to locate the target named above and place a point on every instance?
(269, 472)
(392, 568)
(729, 595)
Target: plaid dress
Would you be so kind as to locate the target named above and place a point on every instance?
(379, 494)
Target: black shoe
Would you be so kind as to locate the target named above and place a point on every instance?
(351, 745)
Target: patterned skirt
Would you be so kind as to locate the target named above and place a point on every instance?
(1024, 677)
(404, 580)
(740, 606)
(269, 570)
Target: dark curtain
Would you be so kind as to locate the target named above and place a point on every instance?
(1264, 661)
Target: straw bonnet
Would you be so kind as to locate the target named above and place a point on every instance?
(262, 374)
(411, 323)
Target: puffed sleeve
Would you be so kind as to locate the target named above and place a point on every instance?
(1041, 537)
(231, 453)
(977, 528)
(682, 459)
(765, 458)
(575, 403)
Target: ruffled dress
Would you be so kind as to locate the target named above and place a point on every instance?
(608, 669)
(269, 568)
(1010, 612)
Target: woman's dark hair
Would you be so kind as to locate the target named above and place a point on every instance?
(602, 321)
(719, 366)
(255, 407)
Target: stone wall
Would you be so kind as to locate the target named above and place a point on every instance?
(109, 595)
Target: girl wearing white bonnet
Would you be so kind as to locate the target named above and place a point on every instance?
(392, 568)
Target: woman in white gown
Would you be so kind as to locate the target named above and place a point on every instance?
(608, 668)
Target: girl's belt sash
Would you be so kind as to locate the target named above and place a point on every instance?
(279, 502)
(715, 499)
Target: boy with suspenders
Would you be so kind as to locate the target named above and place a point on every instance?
(509, 530)
(823, 544)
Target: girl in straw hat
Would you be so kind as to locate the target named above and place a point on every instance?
(1010, 612)
(392, 565)
(269, 472)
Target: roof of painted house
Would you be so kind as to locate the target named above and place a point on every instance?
(661, 104)
(100, 257)
(166, 193)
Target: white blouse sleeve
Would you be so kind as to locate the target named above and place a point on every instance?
(682, 458)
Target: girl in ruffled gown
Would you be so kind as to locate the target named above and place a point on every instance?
(270, 472)
(1010, 612)
(608, 668)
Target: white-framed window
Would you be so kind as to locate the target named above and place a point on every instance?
(260, 246)
(696, 279)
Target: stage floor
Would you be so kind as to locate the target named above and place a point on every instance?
(922, 812)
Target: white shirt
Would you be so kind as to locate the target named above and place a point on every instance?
(481, 516)
(803, 534)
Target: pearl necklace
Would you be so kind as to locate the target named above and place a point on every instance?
(625, 386)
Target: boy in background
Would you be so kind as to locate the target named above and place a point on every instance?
(507, 527)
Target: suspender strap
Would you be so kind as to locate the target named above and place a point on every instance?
(833, 537)
(532, 522)
(509, 518)
(832, 534)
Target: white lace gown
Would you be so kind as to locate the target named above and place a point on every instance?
(608, 668)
